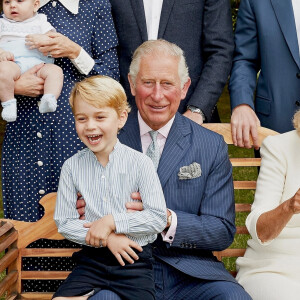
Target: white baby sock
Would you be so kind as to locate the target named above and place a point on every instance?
(48, 103)
(9, 112)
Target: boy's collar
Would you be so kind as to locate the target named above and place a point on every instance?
(70, 5)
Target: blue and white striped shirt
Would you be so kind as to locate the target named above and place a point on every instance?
(106, 190)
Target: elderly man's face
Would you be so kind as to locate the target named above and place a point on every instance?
(157, 89)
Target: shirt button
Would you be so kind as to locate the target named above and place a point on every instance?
(297, 103)
(104, 199)
(41, 192)
(298, 75)
(170, 238)
(40, 163)
(102, 177)
(39, 135)
(54, 3)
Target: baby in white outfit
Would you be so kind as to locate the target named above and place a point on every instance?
(20, 19)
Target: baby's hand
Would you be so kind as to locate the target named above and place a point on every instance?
(99, 231)
(121, 247)
(6, 56)
(35, 41)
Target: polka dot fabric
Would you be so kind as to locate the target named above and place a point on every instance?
(36, 145)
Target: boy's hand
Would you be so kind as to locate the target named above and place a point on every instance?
(6, 56)
(99, 231)
(121, 247)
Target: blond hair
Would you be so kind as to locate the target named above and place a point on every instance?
(296, 120)
(159, 47)
(101, 91)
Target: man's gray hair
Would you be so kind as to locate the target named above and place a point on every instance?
(159, 47)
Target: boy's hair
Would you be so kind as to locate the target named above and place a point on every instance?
(101, 91)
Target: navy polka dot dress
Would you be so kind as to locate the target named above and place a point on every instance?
(36, 145)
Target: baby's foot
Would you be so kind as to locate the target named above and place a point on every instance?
(9, 112)
(48, 104)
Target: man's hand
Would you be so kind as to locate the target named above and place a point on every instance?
(135, 206)
(121, 247)
(244, 123)
(80, 206)
(99, 231)
(6, 56)
(29, 84)
(194, 117)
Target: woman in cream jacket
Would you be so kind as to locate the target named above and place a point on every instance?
(270, 269)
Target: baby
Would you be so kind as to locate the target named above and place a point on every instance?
(20, 19)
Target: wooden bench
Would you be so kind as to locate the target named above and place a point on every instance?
(15, 236)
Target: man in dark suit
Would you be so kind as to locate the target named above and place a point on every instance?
(195, 174)
(267, 43)
(202, 28)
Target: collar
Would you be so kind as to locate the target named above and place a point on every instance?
(145, 128)
(70, 5)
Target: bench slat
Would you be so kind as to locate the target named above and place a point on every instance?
(8, 258)
(48, 252)
(44, 274)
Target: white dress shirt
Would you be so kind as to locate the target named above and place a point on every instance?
(106, 190)
(152, 13)
(296, 8)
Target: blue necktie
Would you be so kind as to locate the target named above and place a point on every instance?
(153, 149)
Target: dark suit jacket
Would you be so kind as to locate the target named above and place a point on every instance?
(202, 28)
(204, 206)
(266, 40)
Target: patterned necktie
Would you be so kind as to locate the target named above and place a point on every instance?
(153, 149)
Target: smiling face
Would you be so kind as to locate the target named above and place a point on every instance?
(97, 128)
(20, 10)
(157, 89)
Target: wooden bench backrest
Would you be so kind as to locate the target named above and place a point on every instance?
(15, 236)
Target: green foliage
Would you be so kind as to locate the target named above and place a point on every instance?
(234, 10)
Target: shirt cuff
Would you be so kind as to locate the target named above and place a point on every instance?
(83, 62)
(170, 234)
(121, 222)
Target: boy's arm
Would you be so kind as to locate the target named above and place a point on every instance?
(66, 216)
(153, 218)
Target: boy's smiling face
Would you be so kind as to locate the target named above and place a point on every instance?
(98, 127)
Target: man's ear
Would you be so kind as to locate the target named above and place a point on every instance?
(132, 85)
(185, 88)
(122, 119)
(36, 5)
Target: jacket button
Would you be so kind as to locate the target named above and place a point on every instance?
(298, 75)
(297, 103)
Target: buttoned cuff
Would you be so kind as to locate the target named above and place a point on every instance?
(121, 222)
(170, 234)
(83, 62)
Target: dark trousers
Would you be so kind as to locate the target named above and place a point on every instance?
(97, 269)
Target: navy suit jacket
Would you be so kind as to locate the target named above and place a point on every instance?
(201, 28)
(266, 40)
(204, 206)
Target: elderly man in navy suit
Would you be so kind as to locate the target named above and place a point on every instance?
(196, 177)
(202, 28)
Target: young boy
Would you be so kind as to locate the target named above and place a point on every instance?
(19, 20)
(106, 173)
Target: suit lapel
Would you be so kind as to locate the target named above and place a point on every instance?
(130, 133)
(164, 17)
(285, 16)
(175, 148)
(139, 13)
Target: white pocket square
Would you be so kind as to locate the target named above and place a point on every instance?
(190, 172)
